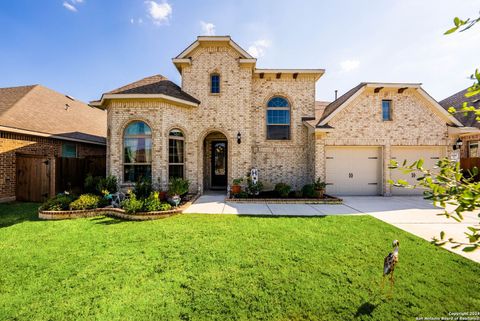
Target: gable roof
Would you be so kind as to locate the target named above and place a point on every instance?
(40, 111)
(243, 53)
(156, 86)
(456, 101)
(336, 106)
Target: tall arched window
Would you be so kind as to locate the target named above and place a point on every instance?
(176, 154)
(278, 119)
(137, 155)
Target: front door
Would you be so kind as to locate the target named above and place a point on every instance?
(219, 164)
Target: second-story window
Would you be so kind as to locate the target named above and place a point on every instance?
(386, 110)
(215, 83)
(278, 119)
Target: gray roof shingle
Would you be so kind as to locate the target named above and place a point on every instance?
(39, 109)
(456, 100)
(156, 84)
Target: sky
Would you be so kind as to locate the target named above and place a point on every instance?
(86, 47)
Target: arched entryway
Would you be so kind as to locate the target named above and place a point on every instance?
(215, 161)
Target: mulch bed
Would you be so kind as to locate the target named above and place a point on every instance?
(271, 197)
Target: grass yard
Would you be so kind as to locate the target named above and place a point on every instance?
(202, 267)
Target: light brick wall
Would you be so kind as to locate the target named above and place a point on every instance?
(283, 161)
(11, 143)
(360, 124)
(239, 108)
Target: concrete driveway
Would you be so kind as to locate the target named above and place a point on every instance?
(409, 213)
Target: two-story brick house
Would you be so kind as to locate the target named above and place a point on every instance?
(229, 116)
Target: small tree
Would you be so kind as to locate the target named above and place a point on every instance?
(450, 186)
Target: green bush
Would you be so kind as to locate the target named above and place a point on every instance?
(242, 194)
(85, 202)
(283, 189)
(308, 191)
(178, 186)
(91, 183)
(59, 202)
(143, 188)
(153, 203)
(107, 185)
(132, 205)
(253, 189)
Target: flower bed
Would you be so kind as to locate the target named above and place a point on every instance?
(116, 212)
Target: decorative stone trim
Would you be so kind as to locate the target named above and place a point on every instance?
(327, 200)
(115, 212)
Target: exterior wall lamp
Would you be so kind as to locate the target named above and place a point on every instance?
(458, 144)
(239, 138)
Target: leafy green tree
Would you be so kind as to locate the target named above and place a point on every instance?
(455, 190)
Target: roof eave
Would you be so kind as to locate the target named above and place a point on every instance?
(48, 135)
(146, 96)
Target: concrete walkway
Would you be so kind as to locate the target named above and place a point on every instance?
(412, 214)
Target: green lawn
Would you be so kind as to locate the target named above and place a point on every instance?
(202, 267)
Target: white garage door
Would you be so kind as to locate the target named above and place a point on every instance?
(353, 170)
(430, 156)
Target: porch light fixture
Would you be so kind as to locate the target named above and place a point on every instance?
(239, 138)
(458, 144)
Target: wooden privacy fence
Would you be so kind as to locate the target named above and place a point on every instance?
(469, 163)
(33, 178)
(70, 173)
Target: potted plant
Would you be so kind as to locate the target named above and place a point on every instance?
(319, 187)
(176, 188)
(236, 188)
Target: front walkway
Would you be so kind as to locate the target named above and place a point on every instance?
(409, 213)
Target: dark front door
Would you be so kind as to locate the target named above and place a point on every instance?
(219, 164)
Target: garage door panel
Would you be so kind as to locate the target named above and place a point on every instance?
(430, 156)
(353, 170)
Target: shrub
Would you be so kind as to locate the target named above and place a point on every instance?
(153, 203)
(91, 183)
(283, 189)
(59, 202)
(107, 185)
(132, 205)
(253, 189)
(319, 185)
(178, 186)
(308, 191)
(143, 188)
(242, 194)
(85, 201)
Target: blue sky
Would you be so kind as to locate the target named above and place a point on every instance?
(86, 47)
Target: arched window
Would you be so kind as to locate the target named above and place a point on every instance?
(278, 119)
(215, 83)
(176, 154)
(137, 155)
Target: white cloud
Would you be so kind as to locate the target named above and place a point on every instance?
(258, 48)
(208, 28)
(133, 21)
(159, 12)
(77, 1)
(69, 6)
(349, 65)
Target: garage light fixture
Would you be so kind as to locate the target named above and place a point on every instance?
(458, 144)
(239, 138)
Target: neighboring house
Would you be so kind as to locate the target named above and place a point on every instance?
(470, 140)
(229, 117)
(37, 126)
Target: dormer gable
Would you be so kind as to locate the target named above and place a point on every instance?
(185, 57)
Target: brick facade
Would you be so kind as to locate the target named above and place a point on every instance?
(12, 144)
(414, 123)
(241, 107)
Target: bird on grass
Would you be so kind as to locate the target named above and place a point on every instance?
(389, 264)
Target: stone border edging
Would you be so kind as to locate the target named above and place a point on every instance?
(115, 212)
(329, 200)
